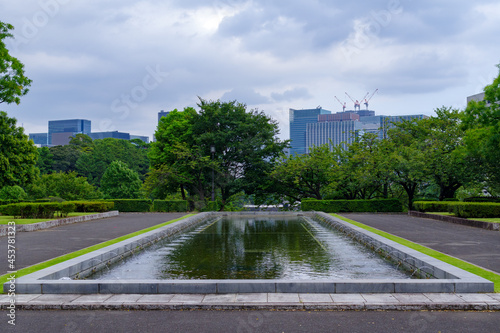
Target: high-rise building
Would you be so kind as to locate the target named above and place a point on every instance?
(162, 114)
(140, 137)
(40, 139)
(298, 127)
(342, 128)
(113, 134)
(60, 131)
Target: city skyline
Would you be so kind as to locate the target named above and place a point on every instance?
(120, 62)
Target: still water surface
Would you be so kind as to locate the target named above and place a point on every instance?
(256, 248)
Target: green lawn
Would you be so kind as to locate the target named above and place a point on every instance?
(7, 219)
(492, 220)
(57, 260)
(433, 253)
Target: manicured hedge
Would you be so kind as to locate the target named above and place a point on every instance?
(339, 206)
(38, 210)
(132, 205)
(93, 206)
(482, 199)
(475, 209)
(170, 206)
(432, 206)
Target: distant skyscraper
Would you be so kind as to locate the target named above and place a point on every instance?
(298, 126)
(344, 130)
(162, 114)
(60, 131)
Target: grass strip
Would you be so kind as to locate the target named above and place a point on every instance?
(495, 278)
(57, 260)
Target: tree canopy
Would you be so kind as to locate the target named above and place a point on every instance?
(245, 147)
(13, 83)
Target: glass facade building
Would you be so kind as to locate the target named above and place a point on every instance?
(344, 132)
(298, 127)
(40, 139)
(61, 130)
(114, 135)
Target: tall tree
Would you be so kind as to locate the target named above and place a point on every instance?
(120, 182)
(482, 125)
(246, 144)
(13, 83)
(18, 154)
(306, 175)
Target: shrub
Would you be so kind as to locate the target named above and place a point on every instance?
(93, 206)
(37, 210)
(170, 206)
(131, 205)
(433, 206)
(339, 206)
(476, 209)
(212, 206)
(482, 199)
(14, 193)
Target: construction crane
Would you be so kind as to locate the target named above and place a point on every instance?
(343, 105)
(369, 98)
(357, 104)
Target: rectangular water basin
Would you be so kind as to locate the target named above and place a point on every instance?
(437, 276)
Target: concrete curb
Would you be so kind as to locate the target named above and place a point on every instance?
(302, 302)
(457, 220)
(56, 223)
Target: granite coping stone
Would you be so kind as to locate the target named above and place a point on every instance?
(400, 302)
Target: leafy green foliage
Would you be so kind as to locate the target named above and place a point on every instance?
(338, 206)
(45, 160)
(38, 210)
(431, 206)
(119, 182)
(97, 155)
(13, 193)
(132, 205)
(245, 143)
(17, 154)
(305, 176)
(13, 83)
(68, 186)
(481, 121)
(170, 206)
(476, 209)
(92, 206)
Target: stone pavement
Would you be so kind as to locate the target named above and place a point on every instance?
(271, 301)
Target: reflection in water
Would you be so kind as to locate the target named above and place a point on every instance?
(255, 248)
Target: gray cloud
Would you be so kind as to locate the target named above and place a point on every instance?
(88, 55)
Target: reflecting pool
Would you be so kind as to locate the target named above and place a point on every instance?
(256, 247)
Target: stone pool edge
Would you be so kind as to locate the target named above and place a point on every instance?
(450, 279)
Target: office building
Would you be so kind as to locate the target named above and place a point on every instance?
(40, 139)
(60, 131)
(114, 135)
(298, 127)
(162, 114)
(145, 139)
(343, 128)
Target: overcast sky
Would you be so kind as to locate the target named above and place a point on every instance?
(119, 62)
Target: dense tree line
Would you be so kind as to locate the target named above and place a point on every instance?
(233, 153)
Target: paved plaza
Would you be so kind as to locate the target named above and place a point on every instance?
(478, 246)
